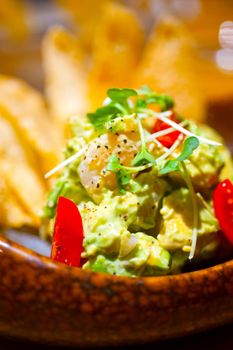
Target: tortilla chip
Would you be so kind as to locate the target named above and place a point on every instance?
(168, 66)
(117, 45)
(25, 109)
(19, 177)
(64, 75)
(85, 15)
(11, 213)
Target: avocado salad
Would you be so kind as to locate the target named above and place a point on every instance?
(138, 193)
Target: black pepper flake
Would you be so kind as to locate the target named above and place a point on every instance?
(119, 152)
(117, 134)
(119, 146)
(98, 185)
(106, 146)
(98, 146)
(125, 141)
(135, 154)
(85, 158)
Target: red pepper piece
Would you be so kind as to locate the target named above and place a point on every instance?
(223, 207)
(169, 139)
(68, 234)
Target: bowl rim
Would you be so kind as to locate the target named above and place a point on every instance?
(47, 263)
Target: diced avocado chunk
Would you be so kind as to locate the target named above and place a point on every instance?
(147, 258)
(177, 221)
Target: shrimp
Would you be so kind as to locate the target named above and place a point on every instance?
(92, 169)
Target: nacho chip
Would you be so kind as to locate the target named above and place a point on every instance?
(21, 180)
(85, 15)
(64, 75)
(117, 45)
(168, 66)
(25, 109)
(11, 213)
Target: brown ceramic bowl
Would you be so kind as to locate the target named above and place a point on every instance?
(49, 302)
(44, 301)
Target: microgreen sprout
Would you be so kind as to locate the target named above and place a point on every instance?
(144, 156)
(164, 117)
(123, 173)
(190, 144)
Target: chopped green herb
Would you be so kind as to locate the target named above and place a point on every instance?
(190, 144)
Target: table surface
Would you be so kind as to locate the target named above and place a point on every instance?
(221, 338)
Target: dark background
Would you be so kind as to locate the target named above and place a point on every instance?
(221, 338)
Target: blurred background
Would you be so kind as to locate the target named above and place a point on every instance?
(24, 22)
(184, 33)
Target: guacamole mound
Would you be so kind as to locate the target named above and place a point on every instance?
(139, 218)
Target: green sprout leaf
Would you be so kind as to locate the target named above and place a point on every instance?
(101, 116)
(190, 144)
(123, 175)
(120, 95)
(114, 164)
(118, 105)
(143, 157)
(170, 166)
(150, 97)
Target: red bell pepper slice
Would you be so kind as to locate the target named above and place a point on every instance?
(223, 207)
(68, 234)
(169, 139)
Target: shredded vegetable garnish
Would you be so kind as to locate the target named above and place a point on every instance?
(195, 210)
(65, 163)
(178, 127)
(171, 150)
(164, 132)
